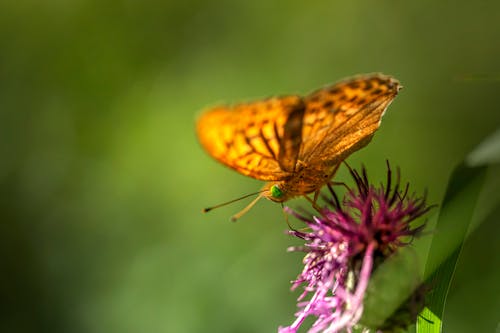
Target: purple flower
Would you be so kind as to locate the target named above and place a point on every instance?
(344, 243)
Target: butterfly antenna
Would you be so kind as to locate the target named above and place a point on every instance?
(206, 210)
(236, 216)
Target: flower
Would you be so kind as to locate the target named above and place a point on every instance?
(344, 244)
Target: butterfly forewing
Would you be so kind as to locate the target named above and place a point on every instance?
(342, 118)
(251, 139)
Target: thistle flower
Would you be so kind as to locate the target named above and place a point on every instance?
(344, 244)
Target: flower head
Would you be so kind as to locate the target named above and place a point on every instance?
(345, 242)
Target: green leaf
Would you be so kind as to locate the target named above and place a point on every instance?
(451, 230)
(452, 227)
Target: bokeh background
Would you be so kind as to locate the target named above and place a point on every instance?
(102, 179)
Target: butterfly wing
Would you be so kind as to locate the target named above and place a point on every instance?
(342, 118)
(260, 139)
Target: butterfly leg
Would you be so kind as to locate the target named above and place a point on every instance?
(313, 201)
(316, 196)
(338, 184)
(334, 171)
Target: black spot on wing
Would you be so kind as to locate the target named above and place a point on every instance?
(334, 91)
(328, 104)
(353, 85)
(314, 99)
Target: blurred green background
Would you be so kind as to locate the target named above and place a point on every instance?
(103, 181)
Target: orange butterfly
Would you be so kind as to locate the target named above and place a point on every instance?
(297, 143)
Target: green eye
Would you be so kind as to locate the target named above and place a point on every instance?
(276, 192)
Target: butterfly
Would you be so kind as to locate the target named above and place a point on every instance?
(297, 143)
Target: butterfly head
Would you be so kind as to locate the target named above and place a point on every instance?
(275, 192)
